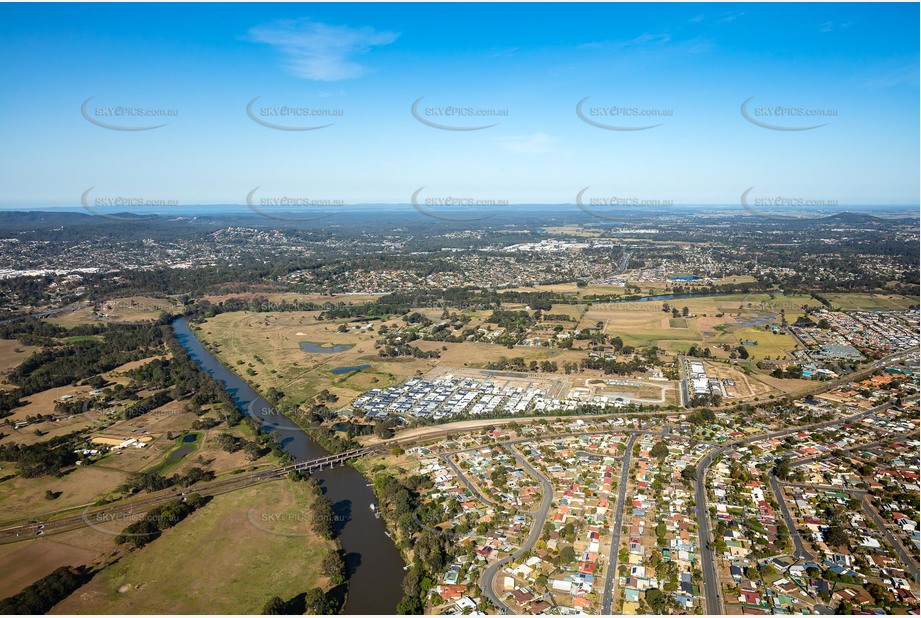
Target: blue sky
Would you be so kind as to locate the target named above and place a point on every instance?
(698, 62)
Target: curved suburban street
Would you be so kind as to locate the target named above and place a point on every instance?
(714, 602)
(487, 581)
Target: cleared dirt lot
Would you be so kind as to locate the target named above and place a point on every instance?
(22, 564)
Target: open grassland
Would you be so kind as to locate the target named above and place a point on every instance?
(770, 346)
(21, 497)
(783, 385)
(572, 289)
(278, 297)
(573, 311)
(12, 353)
(480, 355)
(269, 345)
(654, 393)
(129, 309)
(571, 230)
(642, 327)
(83, 485)
(870, 302)
(25, 562)
(386, 463)
(644, 323)
(229, 557)
(43, 403)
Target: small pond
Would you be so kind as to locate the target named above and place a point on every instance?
(312, 348)
(340, 370)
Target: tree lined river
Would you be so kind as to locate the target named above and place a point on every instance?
(374, 562)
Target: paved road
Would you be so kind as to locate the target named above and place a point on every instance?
(463, 477)
(487, 580)
(909, 561)
(683, 382)
(43, 314)
(110, 519)
(801, 551)
(69, 519)
(849, 490)
(857, 447)
(607, 599)
(708, 564)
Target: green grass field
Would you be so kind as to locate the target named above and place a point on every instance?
(769, 344)
(216, 561)
(871, 302)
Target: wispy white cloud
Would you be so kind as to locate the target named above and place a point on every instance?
(729, 16)
(828, 26)
(319, 51)
(511, 51)
(527, 144)
(643, 40)
(899, 76)
(652, 38)
(721, 18)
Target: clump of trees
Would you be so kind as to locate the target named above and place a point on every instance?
(158, 519)
(47, 592)
(313, 602)
(153, 481)
(416, 525)
(323, 517)
(659, 450)
(51, 457)
(333, 567)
